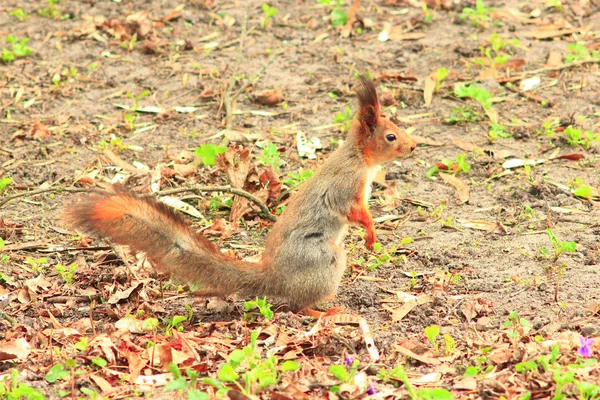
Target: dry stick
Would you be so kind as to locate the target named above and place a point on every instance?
(197, 189)
(47, 190)
(537, 71)
(228, 99)
(529, 96)
(228, 189)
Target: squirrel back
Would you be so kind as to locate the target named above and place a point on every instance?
(304, 259)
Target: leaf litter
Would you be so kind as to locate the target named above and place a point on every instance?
(110, 327)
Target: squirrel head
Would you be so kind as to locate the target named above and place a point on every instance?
(379, 138)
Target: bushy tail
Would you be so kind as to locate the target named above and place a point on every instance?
(145, 224)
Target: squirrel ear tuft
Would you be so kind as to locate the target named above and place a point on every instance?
(369, 111)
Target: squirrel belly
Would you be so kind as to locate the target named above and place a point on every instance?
(304, 261)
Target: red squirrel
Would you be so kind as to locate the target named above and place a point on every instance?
(303, 261)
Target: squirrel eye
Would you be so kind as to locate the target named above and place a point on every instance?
(390, 137)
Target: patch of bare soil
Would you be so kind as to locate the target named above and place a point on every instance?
(489, 231)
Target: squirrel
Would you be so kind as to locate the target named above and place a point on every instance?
(303, 261)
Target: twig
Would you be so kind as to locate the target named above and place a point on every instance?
(537, 71)
(228, 189)
(47, 190)
(228, 99)
(529, 96)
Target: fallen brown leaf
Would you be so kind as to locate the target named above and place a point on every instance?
(460, 185)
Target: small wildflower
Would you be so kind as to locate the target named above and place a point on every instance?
(371, 390)
(348, 360)
(585, 350)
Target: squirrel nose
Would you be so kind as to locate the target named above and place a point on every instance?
(413, 146)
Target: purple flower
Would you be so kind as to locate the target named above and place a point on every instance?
(585, 350)
(371, 390)
(348, 360)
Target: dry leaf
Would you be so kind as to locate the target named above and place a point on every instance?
(425, 141)
(397, 35)
(492, 227)
(554, 59)
(270, 97)
(461, 186)
(430, 82)
(17, 349)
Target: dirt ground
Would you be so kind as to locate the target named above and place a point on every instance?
(470, 263)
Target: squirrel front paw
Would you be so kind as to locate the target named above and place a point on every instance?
(370, 240)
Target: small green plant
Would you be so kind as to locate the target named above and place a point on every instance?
(456, 166)
(217, 203)
(4, 182)
(517, 327)
(344, 373)
(115, 144)
(129, 45)
(207, 153)
(338, 16)
(270, 156)
(581, 190)
(375, 261)
(19, 14)
(463, 115)
(427, 15)
(183, 386)
(575, 137)
(58, 371)
(547, 128)
(344, 119)
(269, 12)
(293, 180)
(36, 264)
(556, 4)
(498, 131)
(255, 372)
(137, 98)
(558, 246)
(66, 273)
(16, 390)
(263, 306)
(481, 95)
(432, 332)
(499, 44)
(399, 375)
(441, 74)
(578, 52)
(51, 11)
(478, 16)
(449, 344)
(18, 49)
(174, 323)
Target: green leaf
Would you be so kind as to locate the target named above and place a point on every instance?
(583, 191)
(227, 374)
(526, 366)
(290, 365)
(208, 153)
(339, 372)
(569, 247)
(237, 356)
(471, 371)
(57, 372)
(4, 182)
(195, 394)
(339, 17)
(99, 361)
(176, 384)
(432, 332)
(1, 243)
